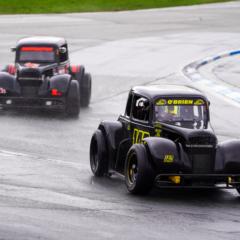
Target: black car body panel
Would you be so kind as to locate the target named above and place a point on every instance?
(186, 148)
(41, 76)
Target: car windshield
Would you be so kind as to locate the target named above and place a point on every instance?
(188, 113)
(37, 54)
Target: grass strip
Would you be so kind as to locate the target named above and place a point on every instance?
(67, 6)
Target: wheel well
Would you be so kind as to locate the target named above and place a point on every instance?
(149, 155)
(110, 130)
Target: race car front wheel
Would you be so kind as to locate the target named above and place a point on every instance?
(139, 175)
(73, 99)
(98, 154)
(85, 89)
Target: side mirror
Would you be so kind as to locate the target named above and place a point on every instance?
(62, 50)
(13, 49)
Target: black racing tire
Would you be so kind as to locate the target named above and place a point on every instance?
(79, 74)
(139, 175)
(238, 189)
(73, 99)
(98, 154)
(85, 89)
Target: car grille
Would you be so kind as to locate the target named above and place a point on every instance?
(202, 163)
(29, 74)
(202, 140)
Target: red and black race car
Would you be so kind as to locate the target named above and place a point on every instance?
(42, 77)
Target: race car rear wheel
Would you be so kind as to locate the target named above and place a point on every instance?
(139, 175)
(98, 154)
(73, 99)
(85, 89)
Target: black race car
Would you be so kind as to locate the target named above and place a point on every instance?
(165, 138)
(42, 77)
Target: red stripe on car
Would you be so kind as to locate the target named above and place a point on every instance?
(11, 69)
(74, 68)
(37, 49)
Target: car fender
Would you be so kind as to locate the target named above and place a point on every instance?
(163, 154)
(113, 134)
(60, 82)
(112, 131)
(9, 82)
(227, 158)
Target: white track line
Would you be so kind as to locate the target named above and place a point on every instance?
(191, 71)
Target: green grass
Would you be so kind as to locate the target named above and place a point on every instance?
(64, 6)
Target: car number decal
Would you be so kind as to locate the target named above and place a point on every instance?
(139, 135)
(168, 158)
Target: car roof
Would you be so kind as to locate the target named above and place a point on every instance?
(41, 40)
(154, 92)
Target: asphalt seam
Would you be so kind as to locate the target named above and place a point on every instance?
(191, 71)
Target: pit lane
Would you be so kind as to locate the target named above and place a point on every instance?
(47, 189)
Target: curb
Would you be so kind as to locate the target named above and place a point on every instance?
(191, 72)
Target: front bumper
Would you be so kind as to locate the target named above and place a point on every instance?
(198, 180)
(33, 103)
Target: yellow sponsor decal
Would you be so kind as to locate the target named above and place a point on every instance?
(158, 132)
(161, 102)
(168, 158)
(139, 135)
(180, 102)
(158, 129)
(199, 102)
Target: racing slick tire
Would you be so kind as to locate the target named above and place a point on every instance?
(73, 99)
(85, 89)
(139, 175)
(238, 189)
(77, 72)
(98, 154)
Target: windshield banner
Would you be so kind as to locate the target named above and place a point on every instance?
(162, 102)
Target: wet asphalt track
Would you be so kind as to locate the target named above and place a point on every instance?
(46, 188)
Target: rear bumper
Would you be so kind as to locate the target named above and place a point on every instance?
(34, 103)
(198, 180)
